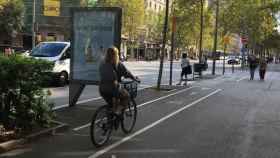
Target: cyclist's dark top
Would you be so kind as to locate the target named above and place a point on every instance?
(110, 73)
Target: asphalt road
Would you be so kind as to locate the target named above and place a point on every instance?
(146, 71)
(223, 117)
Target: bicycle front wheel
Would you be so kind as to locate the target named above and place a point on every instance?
(129, 117)
(101, 126)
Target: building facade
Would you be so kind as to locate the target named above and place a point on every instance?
(52, 23)
(52, 20)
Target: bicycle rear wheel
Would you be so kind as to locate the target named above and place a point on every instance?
(129, 117)
(101, 126)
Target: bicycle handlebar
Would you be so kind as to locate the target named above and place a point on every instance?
(130, 81)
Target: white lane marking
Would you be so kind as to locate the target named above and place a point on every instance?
(193, 93)
(243, 78)
(116, 144)
(81, 127)
(89, 100)
(205, 88)
(79, 102)
(138, 106)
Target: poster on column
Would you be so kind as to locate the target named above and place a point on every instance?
(94, 30)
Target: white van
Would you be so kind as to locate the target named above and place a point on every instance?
(57, 52)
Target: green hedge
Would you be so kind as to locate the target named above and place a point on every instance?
(23, 101)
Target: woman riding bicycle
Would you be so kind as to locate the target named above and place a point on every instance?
(111, 72)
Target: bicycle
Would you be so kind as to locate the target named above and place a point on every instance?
(105, 120)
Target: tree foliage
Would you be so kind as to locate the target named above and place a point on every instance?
(11, 16)
(188, 31)
(254, 19)
(154, 24)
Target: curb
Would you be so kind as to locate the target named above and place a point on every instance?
(13, 144)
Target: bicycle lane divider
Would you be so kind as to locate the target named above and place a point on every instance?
(143, 104)
(125, 139)
(91, 99)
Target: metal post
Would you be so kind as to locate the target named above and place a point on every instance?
(224, 60)
(215, 39)
(33, 24)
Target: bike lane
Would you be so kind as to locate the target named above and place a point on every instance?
(239, 122)
(78, 144)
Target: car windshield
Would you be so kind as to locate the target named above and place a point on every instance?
(47, 49)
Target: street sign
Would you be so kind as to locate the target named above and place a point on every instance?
(51, 7)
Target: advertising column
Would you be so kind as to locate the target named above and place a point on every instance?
(93, 32)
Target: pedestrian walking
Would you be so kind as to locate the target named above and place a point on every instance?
(252, 65)
(262, 69)
(186, 69)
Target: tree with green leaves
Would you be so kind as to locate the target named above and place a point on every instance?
(189, 30)
(154, 23)
(11, 17)
(254, 19)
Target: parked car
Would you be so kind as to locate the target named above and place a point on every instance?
(57, 52)
(233, 60)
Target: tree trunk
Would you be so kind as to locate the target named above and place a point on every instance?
(163, 44)
(201, 29)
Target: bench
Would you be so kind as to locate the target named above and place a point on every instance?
(198, 68)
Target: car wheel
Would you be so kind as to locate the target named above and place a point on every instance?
(63, 78)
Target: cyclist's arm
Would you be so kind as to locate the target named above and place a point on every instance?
(125, 72)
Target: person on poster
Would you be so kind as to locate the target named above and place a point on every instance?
(88, 51)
